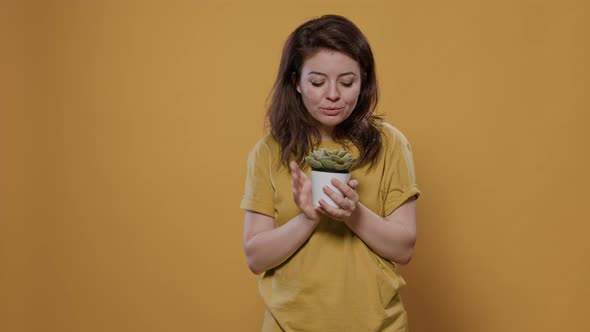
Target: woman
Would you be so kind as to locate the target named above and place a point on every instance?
(326, 268)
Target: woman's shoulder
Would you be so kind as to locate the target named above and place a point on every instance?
(391, 135)
(266, 144)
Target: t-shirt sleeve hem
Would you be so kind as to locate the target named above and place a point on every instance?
(399, 200)
(257, 206)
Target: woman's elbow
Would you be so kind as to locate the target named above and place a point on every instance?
(255, 268)
(404, 256)
(251, 261)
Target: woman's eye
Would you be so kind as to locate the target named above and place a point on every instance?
(347, 84)
(317, 83)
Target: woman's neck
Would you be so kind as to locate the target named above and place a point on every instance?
(326, 133)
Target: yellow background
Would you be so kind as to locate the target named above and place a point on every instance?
(125, 126)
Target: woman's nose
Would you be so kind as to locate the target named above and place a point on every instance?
(333, 93)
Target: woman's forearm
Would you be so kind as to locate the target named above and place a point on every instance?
(270, 248)
(388, 238)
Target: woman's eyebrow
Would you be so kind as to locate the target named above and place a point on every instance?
(322, 74)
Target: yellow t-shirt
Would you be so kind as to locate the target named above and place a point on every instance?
(333, 282)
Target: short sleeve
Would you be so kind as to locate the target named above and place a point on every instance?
(259, 191)
(400, 176)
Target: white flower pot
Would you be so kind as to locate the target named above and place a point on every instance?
(320, 179)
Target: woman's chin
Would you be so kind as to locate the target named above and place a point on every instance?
(330, 121)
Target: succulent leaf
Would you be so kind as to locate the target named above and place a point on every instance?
(328, 163)
(338, 160)
(313, 163)
(325, 158)
(339, 167)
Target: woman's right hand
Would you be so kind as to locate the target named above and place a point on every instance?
(302, 193)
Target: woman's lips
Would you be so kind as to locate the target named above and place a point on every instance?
(331, 110)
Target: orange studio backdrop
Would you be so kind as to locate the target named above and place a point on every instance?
(125, 128)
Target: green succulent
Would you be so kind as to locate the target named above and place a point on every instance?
(326, 160)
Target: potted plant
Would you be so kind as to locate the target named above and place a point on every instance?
(325, 165)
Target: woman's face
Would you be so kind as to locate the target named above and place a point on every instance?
(329, 86)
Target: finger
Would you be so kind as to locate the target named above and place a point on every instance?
(295, 175)
(293, 167)
(294, 170)
(320, 209)
(354, 184)
(306, 186)
(336, 197)
(305, 193)
(331, 211)
(345, 189)
(302, 179)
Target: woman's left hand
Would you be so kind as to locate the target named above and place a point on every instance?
(346, 203)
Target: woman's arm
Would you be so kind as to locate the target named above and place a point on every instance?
(267, 246)
(392, 237)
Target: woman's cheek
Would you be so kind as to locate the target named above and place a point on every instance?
(317, 94)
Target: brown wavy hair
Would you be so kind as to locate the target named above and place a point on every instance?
(291, 124)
